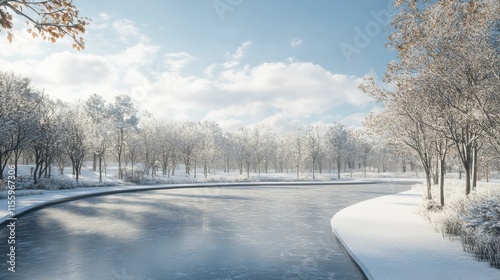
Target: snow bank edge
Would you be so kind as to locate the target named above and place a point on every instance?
(348, 251)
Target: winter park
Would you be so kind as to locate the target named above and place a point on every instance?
(238, 139)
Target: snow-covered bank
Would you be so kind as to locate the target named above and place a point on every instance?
(389, 240)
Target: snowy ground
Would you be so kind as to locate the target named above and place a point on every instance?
(111, 176)
(389, 240)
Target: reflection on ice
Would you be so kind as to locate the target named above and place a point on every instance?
(213, 233)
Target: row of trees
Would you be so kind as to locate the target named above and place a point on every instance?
(37, 130)
(442, 96)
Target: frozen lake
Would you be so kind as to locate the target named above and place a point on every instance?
(206, 233)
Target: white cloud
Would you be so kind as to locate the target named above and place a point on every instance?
(296, 88)
(235, 58)
(75, 69)
(209, 70)
(229, 124)
(278, 94)
(295, 43)
(25, 45)
(138, 54)
(127, 31)
(176, 61)
(283, 95)
(281, 124)
(354, 120)
(104, 16)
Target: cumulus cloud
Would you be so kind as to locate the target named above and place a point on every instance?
(280, 94)
(138, 54)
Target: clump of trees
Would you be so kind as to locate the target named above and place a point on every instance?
(442, 96)
(48, 133)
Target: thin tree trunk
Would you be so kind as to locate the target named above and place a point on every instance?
(441, 181)
(467, 181)
(100, 169)
(339, 163)
(436, 173)
(428, 180)
(474, 168)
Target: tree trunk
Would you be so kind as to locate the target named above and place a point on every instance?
(467, 181)
(441, 181)
(474, 168)
(100, 169)
(339, 163)
(428, 180)
(77, 173)
(17, 155)
(313, 167)
(436, 173)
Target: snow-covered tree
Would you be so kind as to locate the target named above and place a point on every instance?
(123, 113)
(18, 117)
(49, 141)
(297, 143)
(338, 136)
(316, 137)
(99, 130)
(75, 137)
(445, 83)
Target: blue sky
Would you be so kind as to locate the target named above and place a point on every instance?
(238, 62)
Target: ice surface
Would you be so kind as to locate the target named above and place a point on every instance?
(258, 232)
